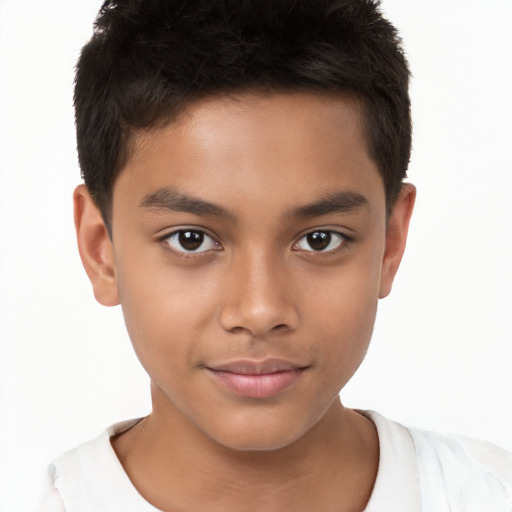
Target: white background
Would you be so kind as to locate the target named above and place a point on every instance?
(441, 356)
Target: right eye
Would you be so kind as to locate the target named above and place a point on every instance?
(322, 241)
(187, 241)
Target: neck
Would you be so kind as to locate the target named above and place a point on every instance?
(175, 466)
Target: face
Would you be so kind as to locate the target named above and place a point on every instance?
(249, 241)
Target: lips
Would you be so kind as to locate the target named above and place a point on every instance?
(257, 379)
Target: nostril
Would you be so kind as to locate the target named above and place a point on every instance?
(242, 330)
(237, 330)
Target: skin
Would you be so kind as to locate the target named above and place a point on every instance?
(256, 289)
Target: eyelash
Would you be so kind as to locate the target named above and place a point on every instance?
(191, 253)
(344, 240)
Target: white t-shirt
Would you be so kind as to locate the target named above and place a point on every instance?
(418, 472)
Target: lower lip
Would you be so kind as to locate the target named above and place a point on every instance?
(258, 386)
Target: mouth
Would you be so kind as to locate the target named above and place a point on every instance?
(257, 379)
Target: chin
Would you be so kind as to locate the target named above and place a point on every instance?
(259, 434)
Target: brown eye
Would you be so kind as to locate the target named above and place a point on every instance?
(321, 241)
(190, 240)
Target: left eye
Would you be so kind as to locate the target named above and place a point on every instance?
(321, 241)
(190, 241)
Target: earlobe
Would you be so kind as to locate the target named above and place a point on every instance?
(95, 247)
(396, 237)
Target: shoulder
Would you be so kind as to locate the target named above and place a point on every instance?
(90, 477)
(454, 472)
(51, 499)
(464, 468)
(452, 448)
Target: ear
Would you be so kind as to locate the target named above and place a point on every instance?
(396, 237)
(95, 247)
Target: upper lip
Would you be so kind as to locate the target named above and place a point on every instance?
(254, 367)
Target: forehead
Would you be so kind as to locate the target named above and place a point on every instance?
(294, 114)
(289, 146)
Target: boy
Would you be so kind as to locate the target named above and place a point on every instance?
(244, 203)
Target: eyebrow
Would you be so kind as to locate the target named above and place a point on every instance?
(169, 199)
(337, 202)
(172, 200)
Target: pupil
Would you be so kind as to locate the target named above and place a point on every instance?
(191, 240)
(319, 240)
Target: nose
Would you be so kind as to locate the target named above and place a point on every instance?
(259, 297)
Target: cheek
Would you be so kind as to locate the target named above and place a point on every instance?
(342, 306)
(346, 331)
(165, 310)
